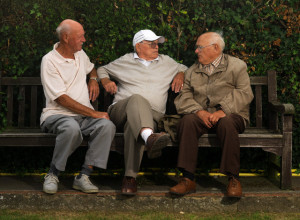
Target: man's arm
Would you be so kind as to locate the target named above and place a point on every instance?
(177, 83)
(185, 102)
(74, 106)
(241, 95)
(93, 85)
(109, 86)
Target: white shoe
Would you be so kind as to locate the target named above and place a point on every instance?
(50, 184)
(84, 184)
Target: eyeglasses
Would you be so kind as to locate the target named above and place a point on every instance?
(152, 44)
(201, 47)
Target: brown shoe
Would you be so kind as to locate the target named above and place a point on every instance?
(128, 186)
(234, 188)
(155, 143)
(185, 186)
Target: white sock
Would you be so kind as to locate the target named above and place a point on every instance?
(146, 133)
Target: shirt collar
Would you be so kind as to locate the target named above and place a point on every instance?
(60, 57)
(215, 63)
(136, 56)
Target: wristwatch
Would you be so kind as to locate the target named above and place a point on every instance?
(94, 78)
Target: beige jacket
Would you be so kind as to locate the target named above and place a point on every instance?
(228, 86)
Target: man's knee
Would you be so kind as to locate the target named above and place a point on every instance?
(137, 99)
(231, 121)
(106, 126)
(69, 128)
(187, 120)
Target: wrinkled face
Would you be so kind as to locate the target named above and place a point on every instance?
(206, 51)
(76, 38)
(147, 50)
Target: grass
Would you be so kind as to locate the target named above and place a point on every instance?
(52, 215)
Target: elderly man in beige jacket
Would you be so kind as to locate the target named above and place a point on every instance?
(215, 98)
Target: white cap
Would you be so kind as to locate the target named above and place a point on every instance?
(146, 35)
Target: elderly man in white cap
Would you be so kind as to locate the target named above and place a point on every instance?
(143, 80)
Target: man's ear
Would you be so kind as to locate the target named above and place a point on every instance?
(137, 48)
(217, 48)
(65, 37)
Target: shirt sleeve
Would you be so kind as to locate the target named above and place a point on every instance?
(52, 82)
(111, 69)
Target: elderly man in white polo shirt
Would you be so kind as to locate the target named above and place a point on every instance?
(143, 80)
(68, 112)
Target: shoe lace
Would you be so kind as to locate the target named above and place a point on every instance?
(51, 178)
(86, 179)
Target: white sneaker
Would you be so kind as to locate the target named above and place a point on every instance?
(50, 184)
(84, 184)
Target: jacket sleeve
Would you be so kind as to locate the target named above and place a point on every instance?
(185, 102)
(241, 96)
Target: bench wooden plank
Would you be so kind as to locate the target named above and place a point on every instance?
(258, 101)
(20, 81)
(262, 140)
(21, 100)
(10, 109)
(33, 106)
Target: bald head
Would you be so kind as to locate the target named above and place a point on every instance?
(214, 38)
(71, 37)
(209, 47)
(66, 27)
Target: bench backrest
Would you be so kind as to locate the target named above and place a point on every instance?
(25, 99)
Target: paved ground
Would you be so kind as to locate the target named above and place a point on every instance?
(259, 194)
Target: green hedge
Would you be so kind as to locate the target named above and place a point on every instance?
(263, 33)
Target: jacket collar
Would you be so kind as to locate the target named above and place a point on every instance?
(220, 68)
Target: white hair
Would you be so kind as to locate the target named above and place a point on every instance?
(64, 27)
(217, 38)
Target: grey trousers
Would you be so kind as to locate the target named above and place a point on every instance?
(69, 135)
(131, 115)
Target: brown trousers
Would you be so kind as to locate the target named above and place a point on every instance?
(190, 129)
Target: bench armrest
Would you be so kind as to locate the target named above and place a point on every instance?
(283, 108)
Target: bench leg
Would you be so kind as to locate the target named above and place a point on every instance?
(286, 159)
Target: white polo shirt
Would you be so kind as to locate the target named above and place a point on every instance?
(61, 76)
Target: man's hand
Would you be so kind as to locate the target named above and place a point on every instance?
(109, 86)
(210, 119)
(177, 83)
(204, 116)
(101, 115)
(214, 117)
(94, 90)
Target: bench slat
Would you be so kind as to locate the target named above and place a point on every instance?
(272, 96)
(20, 81)
(10, 101)
(258, 80)
(33, 108)
(258, 104)
(207, 140)
(21, 101)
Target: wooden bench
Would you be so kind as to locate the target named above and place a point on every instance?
(24, 100)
